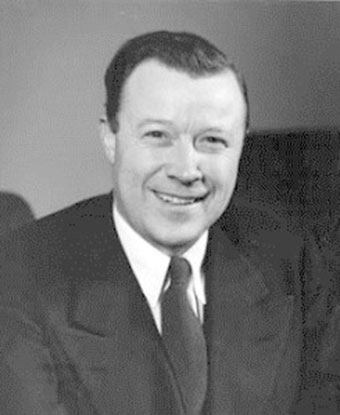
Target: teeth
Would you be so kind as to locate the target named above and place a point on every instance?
(175, 200)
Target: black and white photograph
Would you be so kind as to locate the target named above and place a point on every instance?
(169, 207)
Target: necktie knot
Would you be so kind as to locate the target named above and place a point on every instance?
(180, 271)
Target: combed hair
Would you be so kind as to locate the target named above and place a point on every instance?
(183, 51)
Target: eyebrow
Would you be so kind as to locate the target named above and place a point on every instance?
(168, 123)
(154, 121)
(213, 130)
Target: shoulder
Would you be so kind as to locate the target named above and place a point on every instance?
(278, 250)
(77, 215)
(62, 225)
(249, 224)
(40, 256)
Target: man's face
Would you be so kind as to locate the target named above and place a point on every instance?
(176, 152)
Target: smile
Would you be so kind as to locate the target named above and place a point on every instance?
(178, 200)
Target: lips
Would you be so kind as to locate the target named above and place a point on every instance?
(179, 200)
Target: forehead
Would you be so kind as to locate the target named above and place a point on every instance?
(154, 86)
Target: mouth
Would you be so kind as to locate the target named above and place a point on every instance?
(178, 200)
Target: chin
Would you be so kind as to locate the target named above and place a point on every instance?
(178, 243)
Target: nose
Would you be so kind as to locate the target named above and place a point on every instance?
(184, 163)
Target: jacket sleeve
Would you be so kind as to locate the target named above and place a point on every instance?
(36, 375)
(320, 389)
(28, 384)
(329, 359)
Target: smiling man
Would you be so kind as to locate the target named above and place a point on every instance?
(161, 297)
(175, 151)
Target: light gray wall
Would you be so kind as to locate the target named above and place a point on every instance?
(53, 56)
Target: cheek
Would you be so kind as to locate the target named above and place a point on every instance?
(133, 170)
(223, 173)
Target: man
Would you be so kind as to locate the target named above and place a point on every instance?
(142, 302)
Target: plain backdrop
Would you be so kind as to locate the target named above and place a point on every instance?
(53, 55)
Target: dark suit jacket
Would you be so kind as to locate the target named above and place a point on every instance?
(77, 336)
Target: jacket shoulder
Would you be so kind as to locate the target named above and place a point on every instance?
(248, 224)
(40, 256)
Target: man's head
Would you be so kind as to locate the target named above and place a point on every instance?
(176, 121)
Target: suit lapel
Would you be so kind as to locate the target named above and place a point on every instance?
(112, 287)
(247, 325)
(110, 334)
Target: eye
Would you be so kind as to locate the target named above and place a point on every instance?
(157, 134)
(215, 140)
(212, 143)
(158, 138)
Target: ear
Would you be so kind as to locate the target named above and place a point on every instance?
(108, 139)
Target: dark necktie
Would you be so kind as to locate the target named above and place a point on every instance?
(183, 337)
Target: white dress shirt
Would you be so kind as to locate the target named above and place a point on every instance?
(150, 267)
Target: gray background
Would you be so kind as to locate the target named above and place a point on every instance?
(53, 56)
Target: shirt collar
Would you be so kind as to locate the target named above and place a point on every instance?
(150, 265)
(195, 256)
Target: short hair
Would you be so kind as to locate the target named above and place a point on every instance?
(183, 51)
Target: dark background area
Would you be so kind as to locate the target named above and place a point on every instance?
(296, 174)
